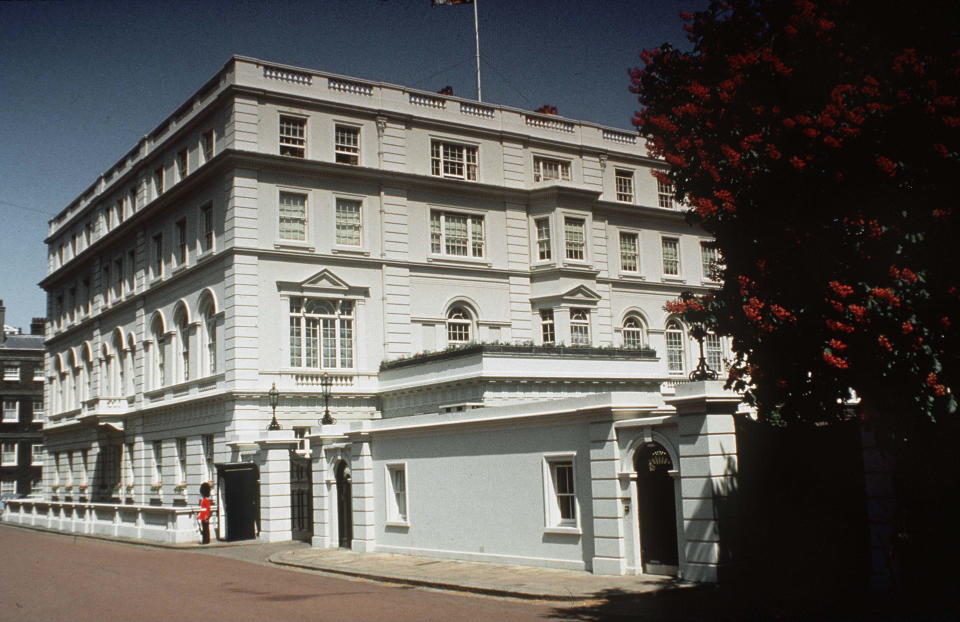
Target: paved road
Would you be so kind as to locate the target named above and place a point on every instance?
(51, 577)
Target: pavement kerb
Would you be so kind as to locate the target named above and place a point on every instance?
(183, 546)
(432, 583)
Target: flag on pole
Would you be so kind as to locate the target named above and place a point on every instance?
(449, 2)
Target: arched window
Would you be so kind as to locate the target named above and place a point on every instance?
(209, 331)
(674, 338)
(131, 387)
(119, 364)
(76, 385)
(183, 345)
(459, 325)
(158, 355)
(105, 388)
(633, 333)
(87, 372)
(321, 332)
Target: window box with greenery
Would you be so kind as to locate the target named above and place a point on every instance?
(180, 489)
(156, 488)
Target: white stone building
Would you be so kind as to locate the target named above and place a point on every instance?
(430, 255)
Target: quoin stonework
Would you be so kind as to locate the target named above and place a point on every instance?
(470, 295)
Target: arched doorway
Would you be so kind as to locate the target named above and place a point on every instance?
(344, 504)
(656, 497)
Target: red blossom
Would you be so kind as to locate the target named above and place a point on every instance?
(836, 344)
(885, 343)
(841, 289)
(884, 293)
(887, 165)
(839, 327)
(857, 311)
(835, 361)
(797, 163)
(906, 328)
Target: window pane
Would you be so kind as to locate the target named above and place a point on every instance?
(628, 252)
(671, 256)
(293, 216)
(348, 222)
(575, 238)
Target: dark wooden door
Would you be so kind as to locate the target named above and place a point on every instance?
(658, 512)
(301, 498)
(344, 505)
(240, 492)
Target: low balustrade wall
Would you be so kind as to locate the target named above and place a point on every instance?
(170, 525)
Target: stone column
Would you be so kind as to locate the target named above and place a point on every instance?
(708, 466)
(274, 460)
(608, 545)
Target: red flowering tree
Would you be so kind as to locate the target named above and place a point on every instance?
(818, 143)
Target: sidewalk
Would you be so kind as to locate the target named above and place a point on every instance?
(482, 578)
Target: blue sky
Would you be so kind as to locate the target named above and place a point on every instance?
(82, 82)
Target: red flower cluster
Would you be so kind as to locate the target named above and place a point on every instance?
(547, 109)
(887, 165)
(885, 343)
(884, 293)
(839, 327)
(835, 361)
(841, 289)
(753, 309)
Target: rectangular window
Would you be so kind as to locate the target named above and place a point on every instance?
(38, 377)
(456, 235)
(713, 352)
(157, 462)
(118, 277)
(674, 339)
(11, 373)
(131, 270)
(348, 222)
(132, 200)
(182, 161)
(38, 411)
(397, 493)
(300, 433)
(321, 333)
(208, 457)
(347, 144)
(87, 296)
(8, 487)
(10, 411)
(207, 145)
(664, 195)
(580, 327)
(545, 169)
(181, 230)
(181, 460)
(293, 216)
(671, 256)
(629, 252)
(454, 161)
(548, 332)
(206, 227)
(624, 183)
(9, 457)
(575, 239)
(119, 211)
(105, 283)
(158, 182)
(560, 492)
(87, 234)
(158, 255)
(293, 136)
(543, 238)
(37, 454)
(710, 260)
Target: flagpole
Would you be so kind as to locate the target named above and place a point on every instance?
(476, 32)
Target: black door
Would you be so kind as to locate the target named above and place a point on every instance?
(344, 505)
(240, 493)
(301, 498)
(658, 510)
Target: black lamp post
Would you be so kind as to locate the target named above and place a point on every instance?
(326, 381)
(702, 371)
(274, 396)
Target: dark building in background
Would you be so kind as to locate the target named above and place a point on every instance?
(21, 397)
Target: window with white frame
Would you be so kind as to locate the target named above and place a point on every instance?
(38, 411)
(580, 327)
(347, 144)
(157, 182)
(206, 227)
(548, 330)
(459, 325)
(10, 411)
(713, 352)
(11, 373)
(670, 250)
(119, 278)
(349, 222)
(543, 238)
(665, 195)
(207, 145)
(300, 432)
(131, 271)
(456, 234)
(293, 136)
(157, 255)
(629, 252)
(710, 260)
(38, 373)
(181, 460)
(158, 355)
(397, 493)
(575, 238)
(321, 333)
(8, 486)
(675, 350)
(560, 492)
(293, 216)
(180, 228)
(545, 169)
(183, 346)
(157, 462)
(9, 457)
(624, 185)
(633, 333)
(182, 167)
(208, 457)
(210, 338)
(453, 160)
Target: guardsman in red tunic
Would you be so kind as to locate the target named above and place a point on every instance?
(204, 516)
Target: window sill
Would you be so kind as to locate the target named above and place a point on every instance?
(464, 261)
(348, 250)
(568, 531)
(632, 276)
(398, 524)
(673, 279)
(294, 246)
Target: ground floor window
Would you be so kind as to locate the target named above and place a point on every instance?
(560, 493)
(397, 493)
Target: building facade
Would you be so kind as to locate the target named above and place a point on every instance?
(21, 394)
(470, 295)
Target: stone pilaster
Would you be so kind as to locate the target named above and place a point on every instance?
(274, 460)
(708, 466)
(364, 526)
(608, 546)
